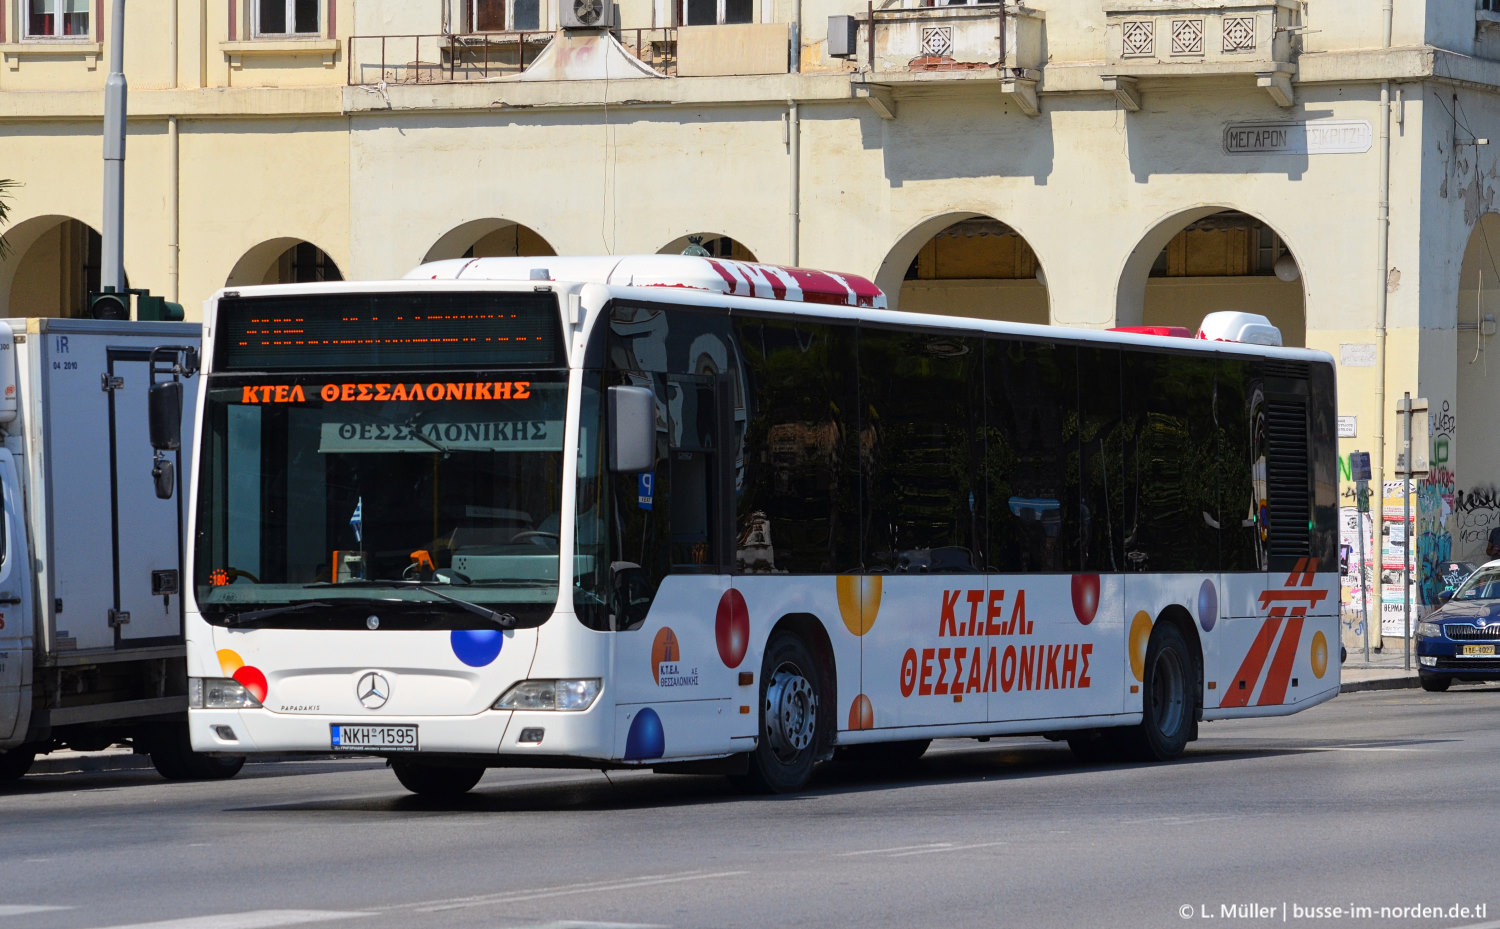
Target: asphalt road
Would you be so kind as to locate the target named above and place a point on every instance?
(1380, 800)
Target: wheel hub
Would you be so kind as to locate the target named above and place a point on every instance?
(791, 713)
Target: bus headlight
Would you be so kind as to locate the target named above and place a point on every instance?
(220, 693)
(565, 694)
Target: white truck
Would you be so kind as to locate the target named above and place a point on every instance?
(92, 540)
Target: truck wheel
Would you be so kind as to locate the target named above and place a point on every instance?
(174, 759)
(15, 763)
(1168, 708)
(437, 782)
(790, 724)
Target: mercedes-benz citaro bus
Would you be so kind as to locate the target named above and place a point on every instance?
(691, 514)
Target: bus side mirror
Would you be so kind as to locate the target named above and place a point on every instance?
(164, 413)
(632, 429)
(164, 476)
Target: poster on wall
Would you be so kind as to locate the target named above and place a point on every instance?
(1396, 550)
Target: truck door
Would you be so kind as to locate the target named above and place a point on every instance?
(148, 532)
(15, 606)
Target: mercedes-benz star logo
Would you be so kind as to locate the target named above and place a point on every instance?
(372, 690)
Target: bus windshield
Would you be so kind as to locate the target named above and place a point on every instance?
(355, 486)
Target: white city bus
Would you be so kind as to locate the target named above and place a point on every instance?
(690, 514)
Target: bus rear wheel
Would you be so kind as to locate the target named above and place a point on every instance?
(437, 782)
(1168, 707)
(790, 719)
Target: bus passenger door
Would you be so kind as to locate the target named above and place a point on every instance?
(673, 521)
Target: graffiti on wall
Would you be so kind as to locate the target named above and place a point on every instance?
(1436, 502)
(1476, 512)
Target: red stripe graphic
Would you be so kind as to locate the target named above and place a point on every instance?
(1274, 692)
(1255, 659)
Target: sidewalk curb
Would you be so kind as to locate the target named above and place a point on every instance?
(1380, 683)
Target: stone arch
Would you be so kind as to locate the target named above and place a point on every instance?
(1476, 391)
(966, 264)
(52, 267)
(716, 244)
(1212, 257)
(489, 238)
(283, 260)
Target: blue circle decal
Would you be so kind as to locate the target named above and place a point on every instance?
(477, 647)
(1208, 605)
(646, 738)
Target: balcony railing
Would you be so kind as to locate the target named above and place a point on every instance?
(455, 58)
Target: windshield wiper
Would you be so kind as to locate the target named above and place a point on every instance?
(503, 620)
(255, 617)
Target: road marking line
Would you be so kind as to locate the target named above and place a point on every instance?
(254, 919)
(1174, 820)
(542, 893)
(21, 909)
(949, 848)
(934, 846)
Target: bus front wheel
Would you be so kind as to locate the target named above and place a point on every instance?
(790, 726)
(437, 782)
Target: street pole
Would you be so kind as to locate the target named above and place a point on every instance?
(1364, 586)
(112, 263)
(1405, 411)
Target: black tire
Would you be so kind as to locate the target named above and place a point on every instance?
(174, 759)
(437, 782)
(15, 763)
(1168, 704)
(883, 756)
(792, 724)
(1434, 683)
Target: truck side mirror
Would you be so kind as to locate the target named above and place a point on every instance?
(164, 410)
(632, 429)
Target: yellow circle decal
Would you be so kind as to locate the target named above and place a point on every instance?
(1319, 654)
(859, 601)
(230, 661)
(1140, 634)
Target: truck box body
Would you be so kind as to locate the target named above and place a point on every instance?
(91, 638)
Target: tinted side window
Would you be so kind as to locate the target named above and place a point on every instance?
(1100, 497)
(921, 423)
(1172, 521)
(1237, 406)
(1031, 458)
(798, 505)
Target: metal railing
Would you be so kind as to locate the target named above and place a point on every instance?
(908, 11)
(458, 58)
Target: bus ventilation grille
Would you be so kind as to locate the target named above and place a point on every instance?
(1288, 486)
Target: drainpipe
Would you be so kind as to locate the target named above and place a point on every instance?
(112, 265)
(1382, 268)
(794, 208)
(174, 246)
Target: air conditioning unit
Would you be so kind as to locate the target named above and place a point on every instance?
(586, 14)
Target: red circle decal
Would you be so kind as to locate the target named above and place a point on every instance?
(732, 628)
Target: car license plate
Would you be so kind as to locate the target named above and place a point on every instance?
(347, 737)
(1478, 651)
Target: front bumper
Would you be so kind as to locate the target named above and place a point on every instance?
(492, 737)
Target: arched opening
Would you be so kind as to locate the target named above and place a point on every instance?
(1476, 391)
(489, 238)
(53, 265)
(1209, 259)
(966, 265)
(283, 261)
(710, 244)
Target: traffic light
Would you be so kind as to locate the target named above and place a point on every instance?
(149, 307)
(109, 305)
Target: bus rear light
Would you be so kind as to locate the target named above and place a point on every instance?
(569, 694)
(220, 693)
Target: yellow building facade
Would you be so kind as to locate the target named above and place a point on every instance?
(1081, 162)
